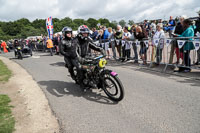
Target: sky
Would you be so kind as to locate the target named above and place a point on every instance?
(136, 10)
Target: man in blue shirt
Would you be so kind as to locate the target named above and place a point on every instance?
(105, 33)
(170, 26)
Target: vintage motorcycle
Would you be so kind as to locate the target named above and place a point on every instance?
(27, 51)
(97, 76)
(18, 52)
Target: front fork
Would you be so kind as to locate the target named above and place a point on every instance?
(102, 76)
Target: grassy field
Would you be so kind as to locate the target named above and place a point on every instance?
(7, 121)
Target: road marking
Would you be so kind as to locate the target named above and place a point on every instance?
(59, 94)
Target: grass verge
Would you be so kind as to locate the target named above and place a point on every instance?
(5, 73)
(7, 121)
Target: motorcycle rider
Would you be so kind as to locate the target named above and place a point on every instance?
(84, 44)
(68, 50)
(15, 45)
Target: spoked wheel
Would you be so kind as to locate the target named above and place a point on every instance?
(113, 87)
(75, 75)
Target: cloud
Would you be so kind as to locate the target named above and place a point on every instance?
(136, 10)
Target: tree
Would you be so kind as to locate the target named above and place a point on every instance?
(30, 31)
(39, 23)
(122, 22)
(130, 22)
(23, 21)
(104, 21)
(92, 22)
(11, 28)
(23, 28)
(114, 22)
(79, 22)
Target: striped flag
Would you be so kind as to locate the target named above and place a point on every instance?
(49, 26)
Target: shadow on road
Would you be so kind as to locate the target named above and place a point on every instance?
(61, 88)
(15, 58)
(59, 64)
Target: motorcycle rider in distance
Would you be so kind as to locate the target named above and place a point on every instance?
(15, 45)
(68, 49)
(84, 44)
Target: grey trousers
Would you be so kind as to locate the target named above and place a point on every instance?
(113, 49)
(135, 51)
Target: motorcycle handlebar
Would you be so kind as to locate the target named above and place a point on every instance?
(99, 57)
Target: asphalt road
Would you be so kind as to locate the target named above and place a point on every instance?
(153, 103)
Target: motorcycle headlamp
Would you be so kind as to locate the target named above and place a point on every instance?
(102, 63)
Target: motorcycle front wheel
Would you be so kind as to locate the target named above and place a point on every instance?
(113, 87)
(20, 56)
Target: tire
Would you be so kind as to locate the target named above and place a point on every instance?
(20, 56)
(31, 53)
(75, 75)
(119, 89)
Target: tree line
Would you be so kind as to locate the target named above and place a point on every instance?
(23, 28)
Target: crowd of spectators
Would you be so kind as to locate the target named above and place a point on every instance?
(119, 46)
(120, 42)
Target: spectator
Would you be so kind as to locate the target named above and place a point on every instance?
(126, 49)
(198, 30)
(118, 36)
(193, 26)
(134, 44)
(160, 22)
(105, 33)
(153, 27)
(112, 43)
(179, 30)
(171, 26)
(50, 46)
(4, 45)
(100, 36)
(139, 34)
(106, 40)
(94, 34)
(161, 36)
(146, 28)
(189, 32)
(198, 24)
(55, 43)
(44, 43)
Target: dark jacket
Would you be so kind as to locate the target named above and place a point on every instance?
(83, 46)
(55, 41)
(140, 36)
(94, 35)
(179, 29)
(197, 26)
(68, 48)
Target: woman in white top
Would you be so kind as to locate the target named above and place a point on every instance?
(159, 40)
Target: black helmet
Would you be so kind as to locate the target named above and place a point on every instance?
(83, 29)
(66, 30)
